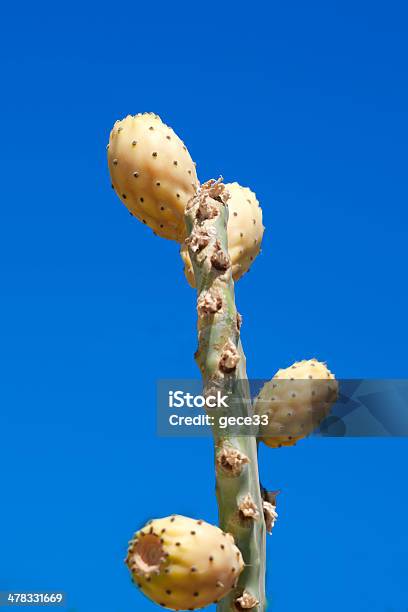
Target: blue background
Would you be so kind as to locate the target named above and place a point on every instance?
(307, 104)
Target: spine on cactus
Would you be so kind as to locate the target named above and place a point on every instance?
(222, 363)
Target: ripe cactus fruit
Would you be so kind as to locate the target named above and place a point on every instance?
(184, 564)
(152, 173)
(245, 231)
(295, 402)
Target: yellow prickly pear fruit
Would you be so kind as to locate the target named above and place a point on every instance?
(183, 564)
(295, 402)
(245, 231)
(152, 173)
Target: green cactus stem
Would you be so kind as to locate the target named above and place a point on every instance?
(222, 363)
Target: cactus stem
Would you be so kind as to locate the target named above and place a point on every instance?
(222, 362)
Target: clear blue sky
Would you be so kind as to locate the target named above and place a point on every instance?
(306, 103)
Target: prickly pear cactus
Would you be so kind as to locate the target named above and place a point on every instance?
(295, 402)
(178, 562)
(184, 564)
(245, 231)
(152, 173)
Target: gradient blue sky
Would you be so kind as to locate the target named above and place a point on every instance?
(306, 103)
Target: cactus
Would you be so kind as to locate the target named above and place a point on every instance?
(295, 401)
(245, 231)
(182, 563)
(152, 173)
(222, 364)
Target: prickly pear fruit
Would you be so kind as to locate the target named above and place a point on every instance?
(183, 564)
(245, 231)
(152, 173)
(295, 402)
